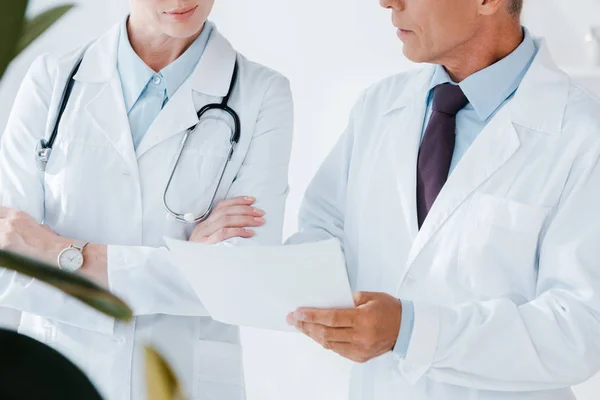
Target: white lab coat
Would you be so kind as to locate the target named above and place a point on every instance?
(505, 272)
(97, 188)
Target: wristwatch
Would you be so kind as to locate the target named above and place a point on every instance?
(71, 258)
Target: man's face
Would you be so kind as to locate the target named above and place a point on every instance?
(432, 29)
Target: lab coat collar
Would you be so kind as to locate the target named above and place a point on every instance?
(539, 103)
(99, 63)
(215, 69)
(212, 76)
(414, 90)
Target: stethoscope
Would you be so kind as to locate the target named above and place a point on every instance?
(44, 147)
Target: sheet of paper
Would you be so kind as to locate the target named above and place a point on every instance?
(257, 286)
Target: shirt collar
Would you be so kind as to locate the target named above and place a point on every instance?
(489, 88)
(135, 74)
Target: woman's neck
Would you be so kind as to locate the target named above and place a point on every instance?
(155, 48)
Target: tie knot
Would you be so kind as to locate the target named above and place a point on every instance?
(449, 99)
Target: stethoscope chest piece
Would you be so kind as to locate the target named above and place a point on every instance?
(42, 154)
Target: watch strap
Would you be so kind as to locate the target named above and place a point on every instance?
(80, 245)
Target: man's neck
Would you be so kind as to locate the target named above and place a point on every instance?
(481, 52)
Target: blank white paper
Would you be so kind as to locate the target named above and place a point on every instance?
(258, 286)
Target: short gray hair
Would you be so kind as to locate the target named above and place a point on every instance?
(515, 7)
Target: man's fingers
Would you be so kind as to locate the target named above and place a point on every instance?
(361, 298)
(324, 334)
(331, 318)
(347, 350)
(236, 201)
(229, 233)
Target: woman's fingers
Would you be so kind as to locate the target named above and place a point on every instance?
(235, 221)
(236, 201)
(238, 210)
(229, 233)
(230, 218)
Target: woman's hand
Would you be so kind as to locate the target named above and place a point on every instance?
(20, 233)
(230, 218)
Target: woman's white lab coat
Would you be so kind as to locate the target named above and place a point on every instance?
(98, 188)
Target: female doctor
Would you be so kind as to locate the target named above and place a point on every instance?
(134, 98)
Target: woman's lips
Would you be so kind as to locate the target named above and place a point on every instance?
(183, 14)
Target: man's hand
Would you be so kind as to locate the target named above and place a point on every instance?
(360, 334)
(20, 233)
(229, 219)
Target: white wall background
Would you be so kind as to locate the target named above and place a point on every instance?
(330, 50)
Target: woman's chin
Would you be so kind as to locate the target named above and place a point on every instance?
(182, 31)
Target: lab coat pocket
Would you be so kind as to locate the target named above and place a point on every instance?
(218, 370)
(498, 250)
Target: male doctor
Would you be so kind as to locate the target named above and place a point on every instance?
(469, 190)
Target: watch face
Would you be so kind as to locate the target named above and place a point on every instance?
(70, 260)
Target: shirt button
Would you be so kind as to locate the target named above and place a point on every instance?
(409, 280)
(157, 80)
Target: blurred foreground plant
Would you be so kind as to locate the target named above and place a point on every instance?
(18, 32)
(71, 284)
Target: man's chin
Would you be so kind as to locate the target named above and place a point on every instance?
(414, 55)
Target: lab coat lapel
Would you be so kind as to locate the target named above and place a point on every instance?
(212, 78)
(107, 108)
(405, 124)
(495, 145)
(109, 113)
(539, 105)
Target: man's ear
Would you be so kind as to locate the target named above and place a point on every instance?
(490, 7)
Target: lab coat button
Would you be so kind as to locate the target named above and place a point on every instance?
(409, 280)
(119, 340)
(49, 334)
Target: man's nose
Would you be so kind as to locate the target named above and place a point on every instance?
(392, 4)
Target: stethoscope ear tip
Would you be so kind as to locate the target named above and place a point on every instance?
(186, 217)
(189, 217)
(171, 217)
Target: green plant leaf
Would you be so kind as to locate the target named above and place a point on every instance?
(11, 25)
(71, 284)
(36, 26)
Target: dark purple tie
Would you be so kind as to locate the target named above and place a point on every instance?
(437, 146)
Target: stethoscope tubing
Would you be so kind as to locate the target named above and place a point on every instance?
(44, 147)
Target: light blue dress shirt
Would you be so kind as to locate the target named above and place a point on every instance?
(146, 92)
(487, 91)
